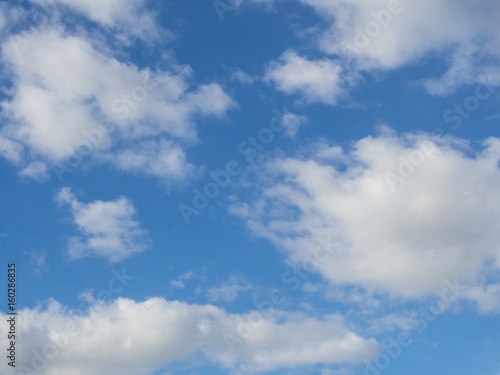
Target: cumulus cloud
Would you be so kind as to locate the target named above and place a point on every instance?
(295, 342)
(319, 81)
(108, 229)
(159, 332)
(67, 95)
(396, 214)
(384, 34)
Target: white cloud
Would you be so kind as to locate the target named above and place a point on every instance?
(348, 296)
(297, 341)
(130, 338)
(108, 229)
(36, 171)
(224, 6)
(391, 322)
(238, 3)
(381, 34)
(179, 283)
(487, 297)
(9, 15)
(319, 81)
(242, 77)
(402, 213)
(229, 290)
(3, 20)
(130, 17)
(160, 158)
(292, 122)
(37, 259)
(10, 150)
(64, 89)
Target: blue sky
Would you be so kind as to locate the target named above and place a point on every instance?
(251, 186)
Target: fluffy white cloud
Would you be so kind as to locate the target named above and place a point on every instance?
(315, 80)
(130, 338)
(108, 229)
(296, 341)
(390, 33)
(396, 214)
(64, 89)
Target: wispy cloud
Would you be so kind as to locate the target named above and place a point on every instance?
(179, 282)
(37, 259)
(108, 229)
(229, 290)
